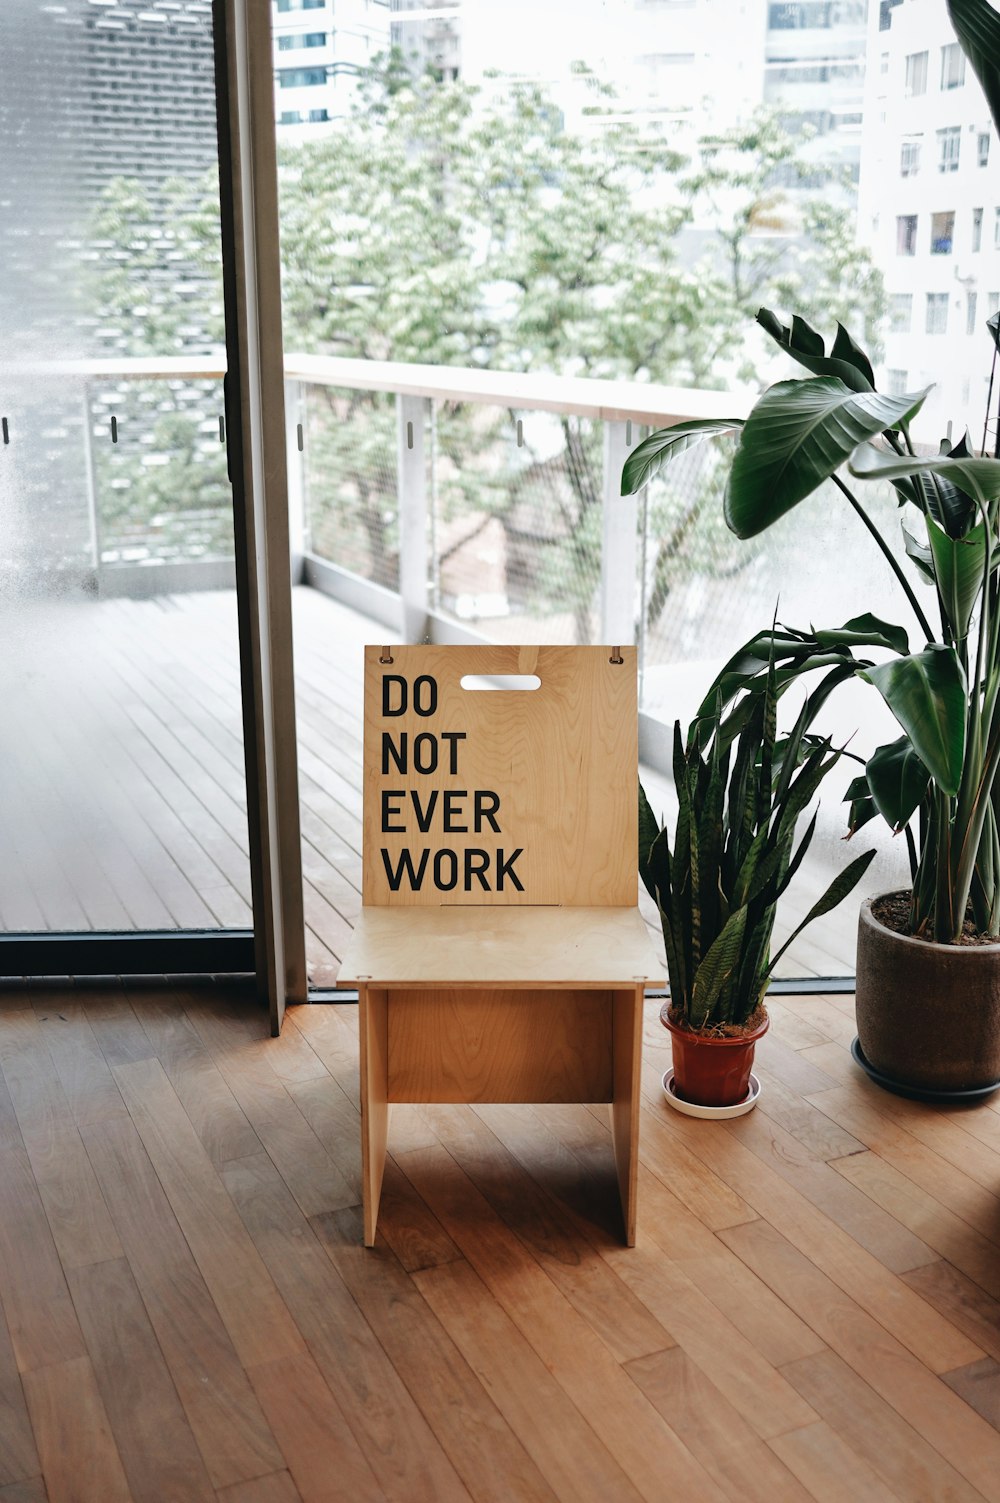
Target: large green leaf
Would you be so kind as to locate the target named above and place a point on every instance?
(927, 692)
(977, 477)
(866, 631)
(798, 435)
(897, 781)
(862, 804)
(846, 359)
(958, 568)
(665, 444)
(649, 829)
(920, 554)
(977, 27)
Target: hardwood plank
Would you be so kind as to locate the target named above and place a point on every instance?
(40, 1315)
(727, 1447)
(84, 1073)
(488, 1457)
(75, 1209)
(335, 1120)
(404, 1454)
(831, 1250)
(979, 1385)
(241, 1059)
(121, 1036)
(325, 1460)
(829, 1470)
(277, 1488)
(631, 1430)
(407, 1225)
(227, 1421)
(960, 1436)
(18, 1456)
(963, 1246)
(152, 1434)
(215, 1114)
(32, 1491)
(969, 1308)
(563, 1445)
(872, 1428)
(244, 1293)
(80, 1461)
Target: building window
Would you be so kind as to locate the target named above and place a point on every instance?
(906, 234)
(883, 63)
(952, 66)
(916, 74)
(996, 228)
(970, 313)
(900, 312)
(992, 303)
(909, 158)
(300, 78)
(983, 148)
(289, 5)
(290, 117)
(937, 313)
(942, 234)
(316, 116)
(896, 382)
(949, 146)
(977, 229)
(301, 39)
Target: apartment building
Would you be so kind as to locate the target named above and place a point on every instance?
(930, 211)
(321, 48)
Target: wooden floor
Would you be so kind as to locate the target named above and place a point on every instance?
(123, 801)
(813, 1309)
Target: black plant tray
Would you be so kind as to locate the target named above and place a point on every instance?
(918, 1093)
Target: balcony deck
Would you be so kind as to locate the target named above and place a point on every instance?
(123, 805)
(812, 1311)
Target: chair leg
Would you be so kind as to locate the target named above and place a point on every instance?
(374, 1101)
(627, 1045)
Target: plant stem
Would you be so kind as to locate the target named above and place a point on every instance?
(892, 562)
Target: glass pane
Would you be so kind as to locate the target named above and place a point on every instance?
(123, 802)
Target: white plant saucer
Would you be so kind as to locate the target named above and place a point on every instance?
(714, 1113)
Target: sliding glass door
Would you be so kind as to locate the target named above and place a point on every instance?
(123, 801)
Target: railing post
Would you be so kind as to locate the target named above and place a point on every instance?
(619, 521)
(295, 418)
(93, 509)
(411, 481)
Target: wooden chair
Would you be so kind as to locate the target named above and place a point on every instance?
(500, 954)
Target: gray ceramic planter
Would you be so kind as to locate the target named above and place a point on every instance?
(928, 1015)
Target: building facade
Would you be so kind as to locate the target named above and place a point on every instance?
(321, 48)
(930, 212)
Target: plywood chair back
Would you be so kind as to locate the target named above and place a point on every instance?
(476, 796)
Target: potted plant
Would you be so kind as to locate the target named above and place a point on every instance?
(928, 972)
(717, 881)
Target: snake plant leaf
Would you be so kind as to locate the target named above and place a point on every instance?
(920, 554)
(977, 27)
(716, 968)
(846, 360)
(897, 781)
(844, 883)
(978, 478)
(866, 631)
(927, 692)
(649, 830)
(665, 444)
(862, 804)
(958, 569)
(798, 435)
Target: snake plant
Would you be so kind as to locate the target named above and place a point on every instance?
(717, 881)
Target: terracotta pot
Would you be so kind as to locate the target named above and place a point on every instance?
(928, 1015)
(711, 1071)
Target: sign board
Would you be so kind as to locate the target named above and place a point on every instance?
(480, 795)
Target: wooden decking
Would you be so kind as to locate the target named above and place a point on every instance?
(122, 804)
(812, 1311)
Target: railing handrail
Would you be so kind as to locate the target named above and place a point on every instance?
(580, 396)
